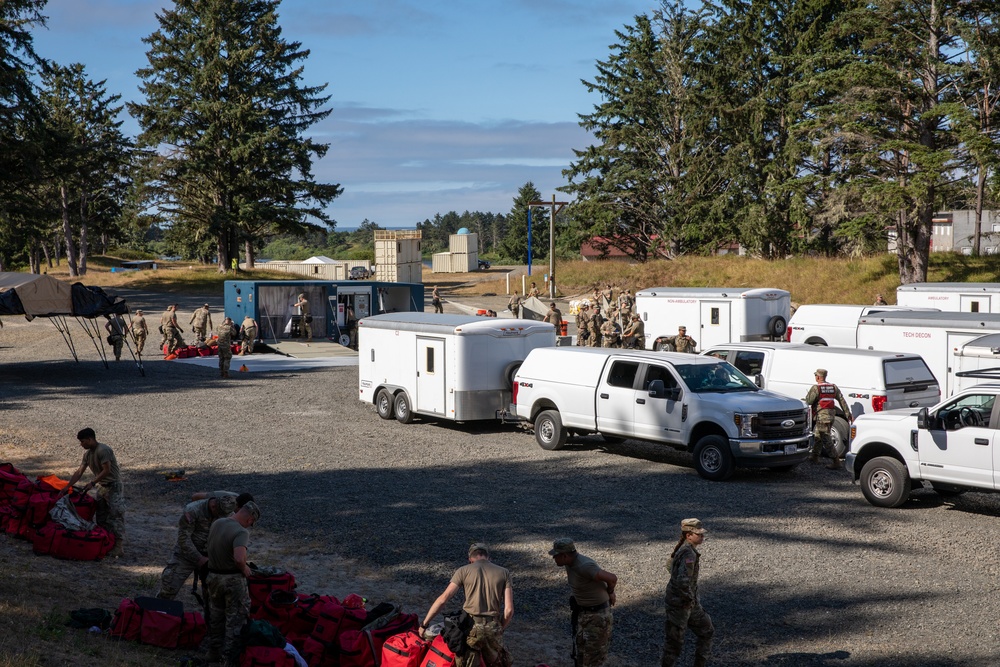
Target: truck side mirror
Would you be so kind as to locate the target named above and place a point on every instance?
(922, 419)
(674, 394)
(657, 389)
(758, 380)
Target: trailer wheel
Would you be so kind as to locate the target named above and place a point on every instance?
(549, 431)
(510, 372)
(383, 403)
(776, 326)
(402, 408)
(712, 458)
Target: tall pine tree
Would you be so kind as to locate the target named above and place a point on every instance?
(227, 112)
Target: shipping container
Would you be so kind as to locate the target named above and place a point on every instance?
(463, 243)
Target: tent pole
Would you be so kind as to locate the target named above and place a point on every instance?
(64, 331)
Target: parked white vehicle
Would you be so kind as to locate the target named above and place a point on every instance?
(934, 336)
(951, 297)
(979, 354)
(951, 446)
(713, 315)
(690, 402)
(871, 381)
(457, 367)
(833, 324)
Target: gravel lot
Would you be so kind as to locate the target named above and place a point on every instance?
(797, 570)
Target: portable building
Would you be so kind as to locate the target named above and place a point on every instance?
(335, 306)
(951, 297)
(457, 367)
(713, 315)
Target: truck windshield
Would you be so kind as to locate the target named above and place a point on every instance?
(903, 372)
(717, 378)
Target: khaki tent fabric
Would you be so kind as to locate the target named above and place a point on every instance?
(39, 295)
(532, 308)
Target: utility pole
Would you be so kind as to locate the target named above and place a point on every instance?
(554, 207)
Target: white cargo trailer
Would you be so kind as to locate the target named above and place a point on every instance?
(979, 354)
(457, 367)
(951, 297)
(713, 315)
(935, 336)
(834, 324)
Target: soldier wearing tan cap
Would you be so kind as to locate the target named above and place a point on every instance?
(683, 604)
(489, 600)
(823, 398)
(590, 605)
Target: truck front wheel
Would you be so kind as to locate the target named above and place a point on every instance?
(404, 415)
(885, 482)
(712, 458)
(549, 431)
(383, 403)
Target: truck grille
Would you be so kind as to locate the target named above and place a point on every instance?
(769, 424)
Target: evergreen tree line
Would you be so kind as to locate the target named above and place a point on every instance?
(792, 126)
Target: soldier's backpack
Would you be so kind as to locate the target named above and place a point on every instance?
(405, 649)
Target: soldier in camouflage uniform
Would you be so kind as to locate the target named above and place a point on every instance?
(101, 461)
(514, 304)
(682, 601)
(635, 334)
(192, 540)
(139, 331)
(201, 323)
(305, 323)
(533, 292)
(582, 326)
(225, 334)
(609, 332)
(625, 302)
(682, 342)
(228, 597)
(594, 328)
(593, 596)
(248, 334)
(554, 317)
(115, 327)
(171, 330)
(822, 398)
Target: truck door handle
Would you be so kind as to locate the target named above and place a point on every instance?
(604, 395)
(981, 441)
(641, 401)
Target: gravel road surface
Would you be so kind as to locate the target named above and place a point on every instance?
(797, 568)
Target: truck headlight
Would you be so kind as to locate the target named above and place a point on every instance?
(746, 424)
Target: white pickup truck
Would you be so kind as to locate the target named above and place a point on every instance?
(952, 446)
(694, 403)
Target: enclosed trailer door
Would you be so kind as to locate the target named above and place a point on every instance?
(430, 376)
(715, 324)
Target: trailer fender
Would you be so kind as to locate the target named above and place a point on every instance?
(393, 389)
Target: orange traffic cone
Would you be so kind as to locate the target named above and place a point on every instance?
(243, 368)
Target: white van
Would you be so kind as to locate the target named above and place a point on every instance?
(457, 367)
(951, 297)
(713, 315)
(871, 381)
(833, 324)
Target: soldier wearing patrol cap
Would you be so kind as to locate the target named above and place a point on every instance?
(823, 398)
(682, 342)
(683, 604)
(228, 597)
(489, 600)
(590, 604)
(139, 330)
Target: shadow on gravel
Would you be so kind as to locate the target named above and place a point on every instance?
(805, 659)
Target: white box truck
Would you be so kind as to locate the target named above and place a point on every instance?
(833, 324)
(456, 367)
(951, 297)
(871, 381)
(689, 402)
(934, 336)
(713, 315)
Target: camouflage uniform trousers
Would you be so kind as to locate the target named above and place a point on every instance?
(678, 620)
(594, 339)
(305, 328)
(246, 344)
(117, 343)
(140, 341)
(172, 339)
(593, 637)
(486, 640)
(225, 358)
(175, 575)
(111, 512)
(199, 334)
(821, 434)
(229, 602)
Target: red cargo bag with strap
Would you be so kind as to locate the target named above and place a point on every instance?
(266, 656)
(438, 654)
(406, 649)
(160, 628)
(54, 540)
(193, 630)
(127, 621)
(363, 648)
(319, 654)
(260, 586)
(10, 478)
(328, 623)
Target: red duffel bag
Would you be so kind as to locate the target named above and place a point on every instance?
(160, 628)
(406, 649)
(193, 630)
(54, 540)
(260, 586)
(127, 621)
(10, 477)
(363, 648)
(438, 654)
(266, 656)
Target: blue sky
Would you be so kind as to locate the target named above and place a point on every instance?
(437, 106)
